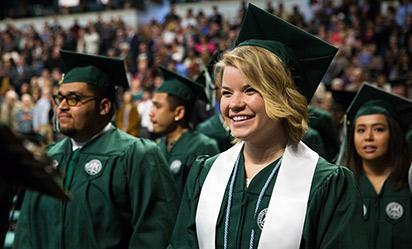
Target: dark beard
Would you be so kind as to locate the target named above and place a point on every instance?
(68, 131)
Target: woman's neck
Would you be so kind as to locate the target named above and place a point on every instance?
(377, 173)
(257, 157)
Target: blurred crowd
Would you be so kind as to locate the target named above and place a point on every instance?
(36, 8)
(375, 46)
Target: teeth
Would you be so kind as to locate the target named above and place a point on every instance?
(240, 118)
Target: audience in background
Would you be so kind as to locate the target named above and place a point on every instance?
(375, 47)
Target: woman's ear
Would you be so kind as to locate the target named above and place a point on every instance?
(105, 106)
(180, 112)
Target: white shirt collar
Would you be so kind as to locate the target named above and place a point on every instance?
(78, 145)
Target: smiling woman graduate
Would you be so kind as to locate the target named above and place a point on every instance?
(378, 154)
(269, 190)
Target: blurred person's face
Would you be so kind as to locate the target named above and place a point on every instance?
(11, 97)
(111, 52)
(327, 102)
(357, 75)
(56, 75)
(400, 90)
(7, 65)
(371, 137)
(25, 88)
(135, 85)
(78, 121)
(142, 47)
(381, 79)
(127, 98)
(146, 95)
(142, 64)
(45, 74)
(161, 115)
(244, 110)
(26, 100)
(157, 81)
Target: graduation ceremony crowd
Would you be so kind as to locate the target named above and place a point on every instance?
(267, 130)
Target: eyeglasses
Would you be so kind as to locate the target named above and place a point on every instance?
(73, 99)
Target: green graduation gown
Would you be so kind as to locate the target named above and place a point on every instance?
(334, 209)
(213, 127)
(322, 121)
(388, 215)
(184, 152)
(408, 137)
(314, 141)
(129, 203)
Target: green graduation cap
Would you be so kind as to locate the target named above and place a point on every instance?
(398, 82)
(372, 100)
(208, 69)
(206, 79)
(342, 99)
(181, 86)
(100, 71)
(307, 56)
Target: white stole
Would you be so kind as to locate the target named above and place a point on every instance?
(287, 207)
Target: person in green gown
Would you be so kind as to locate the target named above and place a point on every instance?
(122, 194)
(322, 121)
(269, 190)
(170, 115)
(314, 141)
(214, 126)
(377, 152)
(409, 139)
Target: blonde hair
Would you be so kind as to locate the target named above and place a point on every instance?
(267, 74)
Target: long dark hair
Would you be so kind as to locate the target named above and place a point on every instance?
(397, 154)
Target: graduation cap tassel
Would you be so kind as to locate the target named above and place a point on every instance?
(56, 125)
(210, 91)
(342, 156)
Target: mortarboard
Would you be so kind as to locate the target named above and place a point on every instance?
(372, 100)
(208, 69)
(100, 71)
(398, 82)
(206, 79)
(342, 99)
(307, 56)
(180, 86)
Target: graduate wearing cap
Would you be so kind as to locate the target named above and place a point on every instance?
(341, 101)
(269, 190)
(378, 155)
(323, 122)
(170, 114)
(314, 141)
(214, 126)
(409, 139)
(400, 87)
(122, 195)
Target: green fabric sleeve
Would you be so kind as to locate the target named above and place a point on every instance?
(184, 234)
(334, 218)
(153, 198)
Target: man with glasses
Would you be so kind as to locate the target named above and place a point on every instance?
(122, 195)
